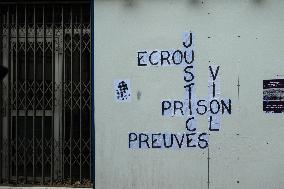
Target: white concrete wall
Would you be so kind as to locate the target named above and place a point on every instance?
(244, 37)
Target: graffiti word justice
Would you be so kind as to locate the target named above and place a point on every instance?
(189, 107)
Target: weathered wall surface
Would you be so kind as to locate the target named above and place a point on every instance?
(245, 38)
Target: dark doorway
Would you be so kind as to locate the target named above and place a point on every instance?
(46, 96)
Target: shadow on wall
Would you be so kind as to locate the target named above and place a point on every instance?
(193, 2)
(198, 2)
(130, 3)
(258, 1)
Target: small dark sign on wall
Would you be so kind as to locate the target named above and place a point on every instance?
(273, 96)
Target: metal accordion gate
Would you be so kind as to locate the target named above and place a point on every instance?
(46, 97)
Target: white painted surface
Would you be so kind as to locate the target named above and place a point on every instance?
(246, 40)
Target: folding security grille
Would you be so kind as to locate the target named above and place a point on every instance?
(46, 97)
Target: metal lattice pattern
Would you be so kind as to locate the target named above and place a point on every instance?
(46, 101)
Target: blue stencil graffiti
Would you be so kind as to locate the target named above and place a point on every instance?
(122, 90)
